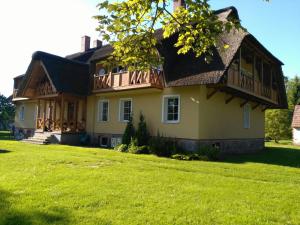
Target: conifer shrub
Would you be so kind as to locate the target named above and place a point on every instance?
(128, 133)
(142, 133)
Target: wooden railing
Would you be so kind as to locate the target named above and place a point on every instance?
(251, 85)
(129, 80)
(45, 89)
(55, 125)
(15, 93)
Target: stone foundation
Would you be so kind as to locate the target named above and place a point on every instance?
(21, 133)
(227, 146)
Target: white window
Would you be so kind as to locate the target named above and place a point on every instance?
(22, 112)
(103, 111)
(247, 110)
(171, 109)
(125, 110)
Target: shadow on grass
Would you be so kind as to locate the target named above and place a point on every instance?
(11, 216)
(282, 156)
(6, 135)
(4, 151)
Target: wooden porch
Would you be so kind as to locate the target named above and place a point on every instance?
(62, 114)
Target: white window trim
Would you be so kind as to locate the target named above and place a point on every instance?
(120, 105)
(163, 119)
(244, 112)
(100, 113)
(21, 118)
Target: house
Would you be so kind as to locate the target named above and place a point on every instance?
(221, 103)
(296, 125)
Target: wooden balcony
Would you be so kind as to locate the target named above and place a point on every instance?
(248, 84)
(128, 80)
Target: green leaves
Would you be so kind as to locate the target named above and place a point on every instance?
(129, 26)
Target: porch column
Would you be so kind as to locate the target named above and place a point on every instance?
(54, 116)
(62, 109)
(38, 113)
(44, 115)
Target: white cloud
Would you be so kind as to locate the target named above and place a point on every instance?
(54, 26)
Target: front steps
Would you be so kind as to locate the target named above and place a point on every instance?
(40, 138)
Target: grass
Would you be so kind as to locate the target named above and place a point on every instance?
(59, 184)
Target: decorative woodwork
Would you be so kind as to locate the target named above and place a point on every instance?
(129, 80)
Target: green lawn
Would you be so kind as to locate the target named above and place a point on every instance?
(58, 184)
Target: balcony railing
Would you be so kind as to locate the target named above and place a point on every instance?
(15, 93)
(129, 80)
(249, 84)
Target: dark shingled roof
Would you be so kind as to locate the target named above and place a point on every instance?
(67, 76)
(296, 117)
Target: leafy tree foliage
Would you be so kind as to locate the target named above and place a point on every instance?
(7, 112)
(277, 124)
(129, 25)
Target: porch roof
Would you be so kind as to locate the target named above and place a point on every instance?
(67, 76)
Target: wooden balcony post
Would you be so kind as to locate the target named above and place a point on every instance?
(62, 113)
(54, 116)
(44, 115)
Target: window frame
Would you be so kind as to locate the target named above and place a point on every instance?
(100, 110)
(22, 113)
(121, 117)
(165, 109)
(247, 116)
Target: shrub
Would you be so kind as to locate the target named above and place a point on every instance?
(133, 146)
(198, 157)
(121, 148)
(143, 149)
(128, 133)
(142, 133)
(211, 152)
(180, 157)
(162, 146)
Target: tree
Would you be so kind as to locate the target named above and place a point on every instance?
(277, 124)
(7, 112)
(129, 132)
(129, 26)
(142, 133)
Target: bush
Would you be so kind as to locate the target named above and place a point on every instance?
(180, 157)
(142, 133)
(143, 149)
(128, 133)
(211, 152)
(121, 148)
(162, 146)
(133, 146)
(198, 157)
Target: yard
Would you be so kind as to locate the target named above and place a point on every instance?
(58, 184)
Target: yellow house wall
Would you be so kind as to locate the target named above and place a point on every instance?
(226, 121)
(200, 118)
(29, 114)
(150, 104)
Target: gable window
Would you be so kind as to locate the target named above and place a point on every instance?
(247, 110)
(171, 109)
(103, 111)
(22, 112)
(125, 109)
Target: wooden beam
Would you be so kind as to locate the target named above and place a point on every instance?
(209, 95)
(44, 115)
(265, 108)
(254, 107)
(229, 99)
(244, 103)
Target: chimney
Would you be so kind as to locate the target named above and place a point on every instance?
(178, 3)
(97, 43)
(85, 43)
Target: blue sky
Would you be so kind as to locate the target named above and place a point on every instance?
(56, 26)
(276, 24)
